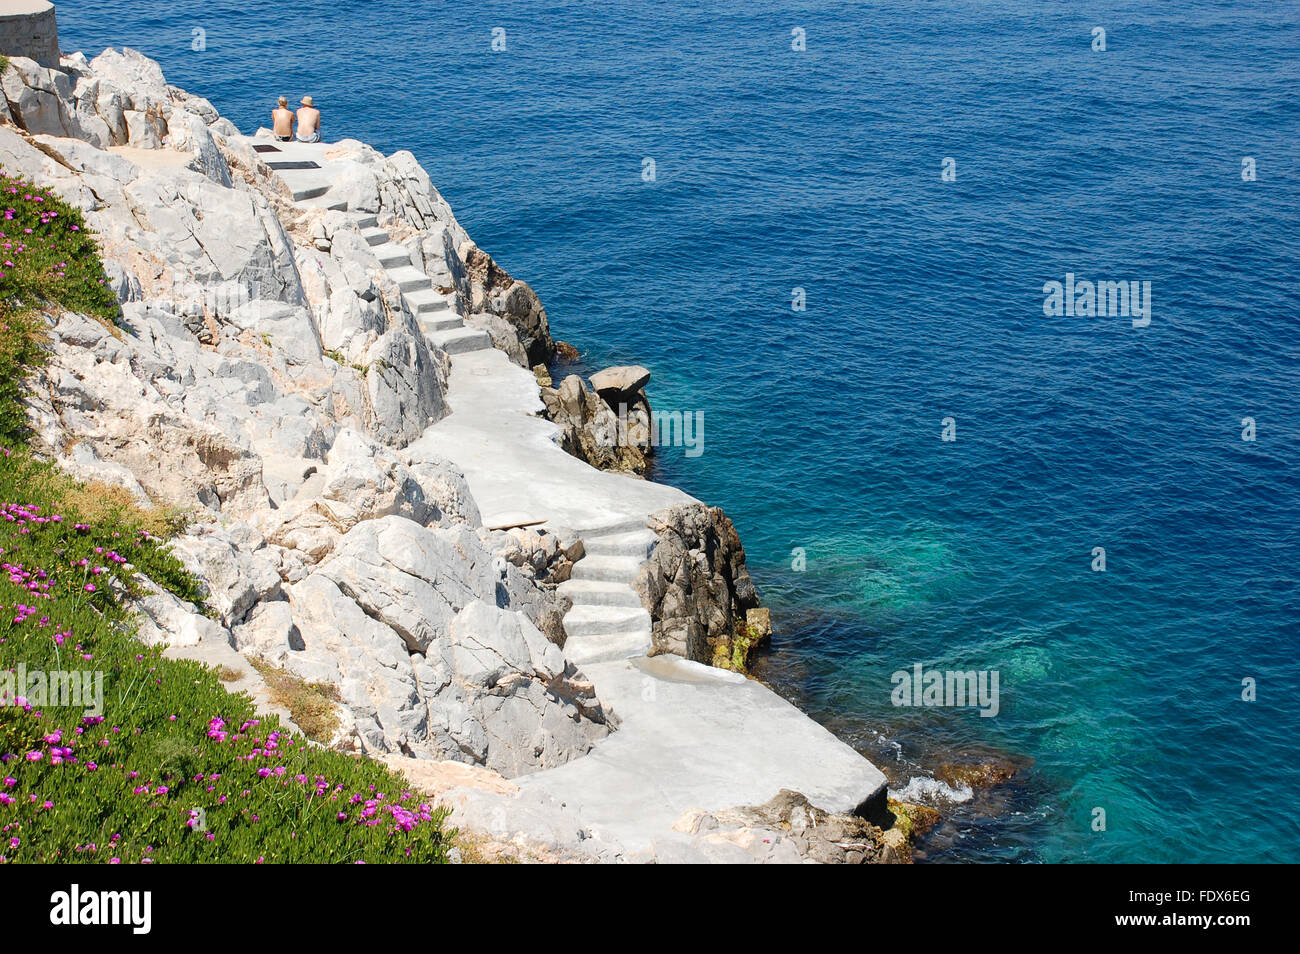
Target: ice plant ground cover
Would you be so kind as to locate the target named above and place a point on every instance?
(46, 252)
(47, 258)
(171, 767)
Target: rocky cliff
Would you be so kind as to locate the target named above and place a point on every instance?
(266, 379)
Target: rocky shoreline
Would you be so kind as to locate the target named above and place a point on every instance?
(352, 405)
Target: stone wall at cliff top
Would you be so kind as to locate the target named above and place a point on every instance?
(28, 28)
(267, 377)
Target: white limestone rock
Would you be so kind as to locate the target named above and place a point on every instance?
(216, 394)
(289, 328)
(407, 191)
(373, 482)
(40, 99)
(504, 336)
(134, 73)
(211, 235)
(99, 390)
(405, 386)
(364, 480)
(491, 690)
(235, 578)
(165, 619)
(189, 132)
(357, 185)
(411, 578)
(269, 632)
(621, 382)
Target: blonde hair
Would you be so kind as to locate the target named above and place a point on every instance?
(283, 101)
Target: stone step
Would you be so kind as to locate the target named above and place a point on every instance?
(325, 202)
(364, 222)
(638, 543)
(439, 321)
(305, 187)
(392, 255)
(461, 340)
(619, 526)
(605, 647)
(608, 569)
(424, 300)
(408, 277)
(599, 593)
(589, 620)
(374, 236)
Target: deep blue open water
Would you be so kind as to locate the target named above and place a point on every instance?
(820, 169)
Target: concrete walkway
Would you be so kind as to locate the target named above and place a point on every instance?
(691, 737)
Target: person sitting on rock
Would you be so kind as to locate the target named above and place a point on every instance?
(308, 121)
(282, 120)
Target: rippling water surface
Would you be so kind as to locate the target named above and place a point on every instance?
(820, 169)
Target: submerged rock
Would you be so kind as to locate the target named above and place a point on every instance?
(976, 770)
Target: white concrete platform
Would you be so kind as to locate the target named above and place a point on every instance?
(697, 737)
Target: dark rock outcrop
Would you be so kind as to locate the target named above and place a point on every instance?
(590, 429)
(697, 589)
(515, 301)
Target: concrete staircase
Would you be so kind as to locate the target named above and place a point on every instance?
(607, 621)
(435, 312)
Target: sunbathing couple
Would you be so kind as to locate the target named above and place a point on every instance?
(308, 117)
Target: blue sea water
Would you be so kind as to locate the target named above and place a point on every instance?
(819, 169)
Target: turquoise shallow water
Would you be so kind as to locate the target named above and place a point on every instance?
(820, 169)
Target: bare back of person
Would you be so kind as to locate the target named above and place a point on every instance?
(282, 122)
(308, 121)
